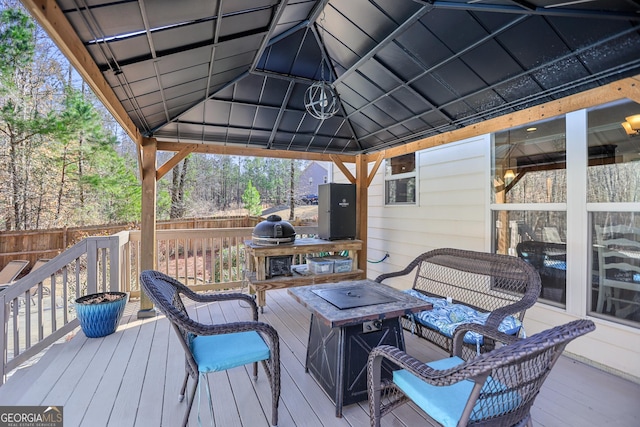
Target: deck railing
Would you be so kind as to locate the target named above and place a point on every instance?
(39, 309)
(203, 259)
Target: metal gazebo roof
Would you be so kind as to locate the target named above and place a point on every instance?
(234, 72)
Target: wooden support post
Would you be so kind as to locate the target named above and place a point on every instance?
(362, 203)
(148, 254)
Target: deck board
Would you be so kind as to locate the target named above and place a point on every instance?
(172, 409)
(130, 353)
(102, 376)
(154, 379)
(133, 377)
(23, 378)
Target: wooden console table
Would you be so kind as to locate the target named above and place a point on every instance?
(256, 256)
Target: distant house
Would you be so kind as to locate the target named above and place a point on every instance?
(313, 175)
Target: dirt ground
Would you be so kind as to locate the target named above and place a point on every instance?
(304, 213)
(307, 213)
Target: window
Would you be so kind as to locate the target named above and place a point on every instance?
(539, 238)
(615, 261)
(543, 183)
(529, 201)
(529, 159)
(613, 193)
(400, 180)
(613, 175)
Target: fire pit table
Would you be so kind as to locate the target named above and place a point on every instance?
(348, 319)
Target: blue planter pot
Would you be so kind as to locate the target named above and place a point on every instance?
(99, 319)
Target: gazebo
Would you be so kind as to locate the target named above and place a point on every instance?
(351, 82)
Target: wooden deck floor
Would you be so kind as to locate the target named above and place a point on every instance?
(132, 378)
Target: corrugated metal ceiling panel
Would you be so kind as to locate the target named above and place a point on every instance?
(405, 69)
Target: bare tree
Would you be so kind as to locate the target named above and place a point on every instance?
(292, 191)
(177, 189)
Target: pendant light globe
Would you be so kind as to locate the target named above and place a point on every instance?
(320, 100)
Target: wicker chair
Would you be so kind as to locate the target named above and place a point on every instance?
(212, 348)
(493, 389)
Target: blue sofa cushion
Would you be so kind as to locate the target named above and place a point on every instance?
(221, 352)
(445, 404)
(557, 264)
(445, 317)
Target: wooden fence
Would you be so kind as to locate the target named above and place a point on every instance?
(32, 245)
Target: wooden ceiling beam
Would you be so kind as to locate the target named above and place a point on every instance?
(377, 164)
(344, 169)
(51, 18)
(625, 88)
(630, 88)
(254, 152)
(162, 170)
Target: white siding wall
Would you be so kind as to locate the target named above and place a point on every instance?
(453, 211)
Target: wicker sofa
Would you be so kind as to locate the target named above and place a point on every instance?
(469, 287)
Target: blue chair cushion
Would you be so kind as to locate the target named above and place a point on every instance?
(445, 317)
(445, 404)
(221, 352)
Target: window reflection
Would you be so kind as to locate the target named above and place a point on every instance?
(613, 176)
(614, 170)
(529, 167)
(530, 164)
(538, 237)
(615, 279)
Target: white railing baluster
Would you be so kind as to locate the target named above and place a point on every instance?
(65, 292)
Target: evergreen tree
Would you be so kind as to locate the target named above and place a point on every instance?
(17, 45)
(116, 194)
(23, 124)
(251, 200)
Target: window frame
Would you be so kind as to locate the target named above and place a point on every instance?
(579, 216)
(400, 176)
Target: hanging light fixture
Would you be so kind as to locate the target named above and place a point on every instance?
(509, 175)
(632, 125)
(320, 99)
